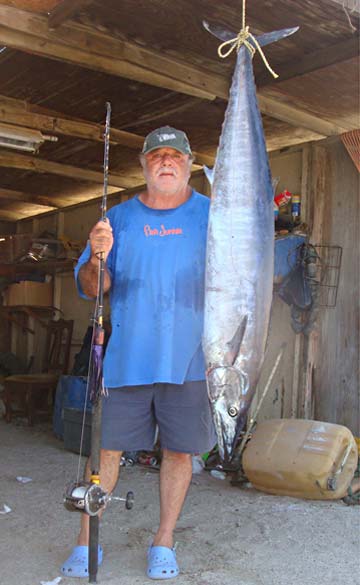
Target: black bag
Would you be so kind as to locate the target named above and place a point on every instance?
(81, 359)
(300, 292)
(295, 288)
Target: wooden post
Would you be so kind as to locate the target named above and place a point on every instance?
(315, 216)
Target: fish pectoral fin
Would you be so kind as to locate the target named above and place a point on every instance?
(219, 32)
(209, 174)
(235, 343)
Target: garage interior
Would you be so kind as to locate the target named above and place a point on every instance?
(60, 62)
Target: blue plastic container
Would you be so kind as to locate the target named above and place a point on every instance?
(70, 393)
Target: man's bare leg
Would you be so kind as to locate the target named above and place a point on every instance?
(175, 478)
(109, 473)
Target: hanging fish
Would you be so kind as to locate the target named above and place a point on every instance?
(240, 250)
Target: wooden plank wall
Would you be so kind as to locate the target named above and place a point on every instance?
(336, 376)
(281, 399)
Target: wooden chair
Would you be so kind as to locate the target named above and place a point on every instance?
(30, 395)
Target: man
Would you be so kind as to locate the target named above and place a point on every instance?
(154, 246)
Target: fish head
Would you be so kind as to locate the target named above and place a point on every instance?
(227, 387)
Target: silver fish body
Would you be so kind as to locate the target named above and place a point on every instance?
(239, 261)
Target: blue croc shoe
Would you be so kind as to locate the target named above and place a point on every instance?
(162, 563)
(77, 563)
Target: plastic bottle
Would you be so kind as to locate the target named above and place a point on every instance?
(218, 474)
(276, 211)
(295, 207)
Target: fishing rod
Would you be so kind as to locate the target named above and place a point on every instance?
(88, 496)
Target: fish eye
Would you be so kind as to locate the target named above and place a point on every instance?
(232, 411)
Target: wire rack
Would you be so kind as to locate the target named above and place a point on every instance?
(328, 265)
(322, 263)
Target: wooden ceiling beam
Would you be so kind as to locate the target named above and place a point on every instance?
(24, 114)
(79, 45)
(285, 112)
(6, 215)
(65, 10)
(291, 137)
(312, 62)
(76, 128)
(11, 195)
(20, 113)
(37, 165)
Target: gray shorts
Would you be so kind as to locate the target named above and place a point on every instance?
(182, 412)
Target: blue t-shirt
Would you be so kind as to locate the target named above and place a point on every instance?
(157, 266)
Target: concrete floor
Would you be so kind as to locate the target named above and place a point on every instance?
(226, 535)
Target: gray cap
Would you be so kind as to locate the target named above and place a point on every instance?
(167, 137)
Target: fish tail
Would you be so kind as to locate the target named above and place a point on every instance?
(276, 35)
(227, 35)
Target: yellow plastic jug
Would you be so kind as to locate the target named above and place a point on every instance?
(301, 458)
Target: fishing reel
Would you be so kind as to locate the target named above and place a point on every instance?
(91, 498)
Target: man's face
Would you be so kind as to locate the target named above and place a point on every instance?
(166, 170)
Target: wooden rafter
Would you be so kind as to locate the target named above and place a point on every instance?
(11, 195)
(6, 215)
(24, 114)
(37, 165)
(315, 61)
(65, 10)
(21, 113)
(285, 112)
(77, 44)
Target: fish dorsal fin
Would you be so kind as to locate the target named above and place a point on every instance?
(235, 343)
(209, 173)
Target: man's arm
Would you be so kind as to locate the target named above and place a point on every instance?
(101, 241)
(89, 277)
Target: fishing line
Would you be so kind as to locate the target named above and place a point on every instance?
(87, 387)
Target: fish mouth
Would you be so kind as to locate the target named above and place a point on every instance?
(226, 434)
(226, 389)
(228, 438)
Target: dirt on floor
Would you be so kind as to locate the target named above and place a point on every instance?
(226, 535)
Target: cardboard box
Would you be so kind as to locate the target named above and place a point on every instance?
(36, 294)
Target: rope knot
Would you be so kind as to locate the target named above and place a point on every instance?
(244, 37)
(236, 43)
